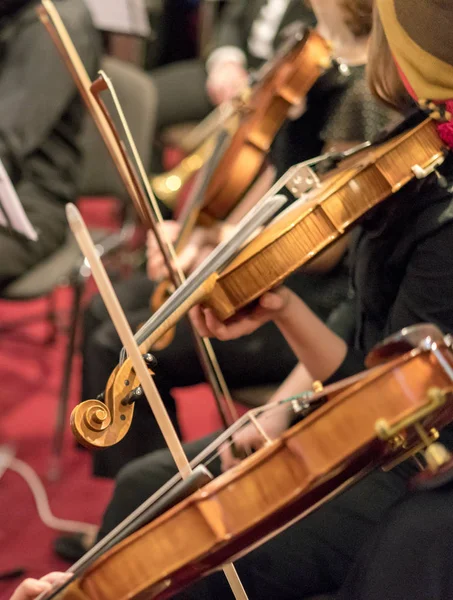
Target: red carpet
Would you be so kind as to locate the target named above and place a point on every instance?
(30, 376)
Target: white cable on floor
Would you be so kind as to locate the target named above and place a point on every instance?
(8, 461)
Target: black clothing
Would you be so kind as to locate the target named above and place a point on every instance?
(339, 108)
(238, 18)
(409, 557)
(413, 231)
(311, 557)
(10, 7)
(402, 274)
(187, 79)
(40, 120)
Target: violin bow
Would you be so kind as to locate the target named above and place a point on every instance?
(147, 208)
(118, 317)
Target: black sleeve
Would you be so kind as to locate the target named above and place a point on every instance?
(426, 291)
(353, 363)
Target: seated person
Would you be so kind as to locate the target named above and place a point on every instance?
(247, 35)
(248, 362)
(41, 115)
(245, 362)
(402, 274)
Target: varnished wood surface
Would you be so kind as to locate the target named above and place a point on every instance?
(268, 108)
(306, 229)
(296, 237)
(271, 487)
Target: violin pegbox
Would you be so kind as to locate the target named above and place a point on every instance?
(103, 422)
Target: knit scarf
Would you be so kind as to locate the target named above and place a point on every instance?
(426, 69)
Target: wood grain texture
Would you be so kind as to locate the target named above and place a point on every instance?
(276, 484)
(309, 227)
(286, 85)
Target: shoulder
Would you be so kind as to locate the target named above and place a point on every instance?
(353, 113)
(414, 213)
(431, 203)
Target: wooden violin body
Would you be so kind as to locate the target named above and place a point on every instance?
(287, 84)
(335, 445)
(297, 236)
(306, 229)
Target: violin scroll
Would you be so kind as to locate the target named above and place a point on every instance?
(99, 424)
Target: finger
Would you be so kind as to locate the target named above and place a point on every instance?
(169, 230)
(227, 460)
(229, 90)
(271, 301)
(157, 269)
(56, 577)
(236, 327)
(216, 327)
(30, 588)
(187, 257)
(212, 90)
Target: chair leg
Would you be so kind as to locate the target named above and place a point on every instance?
(52, 318)
(78, 287)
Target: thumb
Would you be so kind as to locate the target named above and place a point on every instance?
(272, 301)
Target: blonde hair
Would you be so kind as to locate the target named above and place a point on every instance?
(382, 74)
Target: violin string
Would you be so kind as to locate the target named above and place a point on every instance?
(86, 560)
(206, 457)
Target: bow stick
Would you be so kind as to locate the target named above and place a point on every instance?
(59, 35)
(118, 317)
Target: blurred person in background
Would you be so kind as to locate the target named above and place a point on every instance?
(247, 35)
(41, 116)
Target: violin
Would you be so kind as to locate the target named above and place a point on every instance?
(280, 84)
(377, 418)
(308, 228)
(291, 241)
(129, 170)
(289, 79)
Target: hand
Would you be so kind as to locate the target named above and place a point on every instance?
(270, 306)
(156, 267)
(30, 589)
(249, 439)
(225, 81)
(200, 244)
